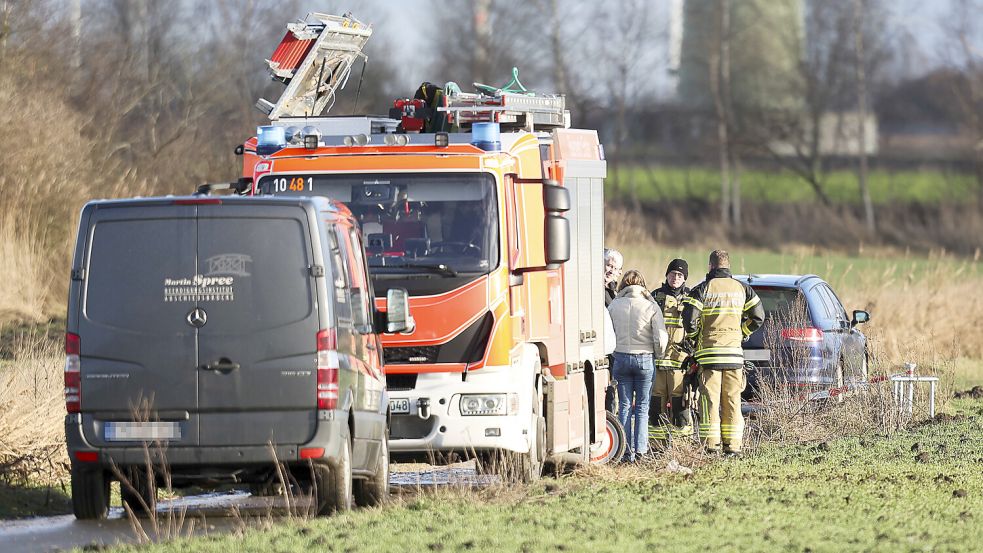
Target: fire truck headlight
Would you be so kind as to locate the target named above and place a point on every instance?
(489, 404)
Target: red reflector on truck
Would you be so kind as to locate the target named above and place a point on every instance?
(311, 452)
(87, 456)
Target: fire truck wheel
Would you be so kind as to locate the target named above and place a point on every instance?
(333, 485)
(533, 462)
(375, 491)
(612, 444)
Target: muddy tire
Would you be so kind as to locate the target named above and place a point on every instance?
(612, 444)
(333, 485)
(374, 491)
(139, 491)
(90, 493)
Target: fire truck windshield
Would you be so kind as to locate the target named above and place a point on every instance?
(442, 225)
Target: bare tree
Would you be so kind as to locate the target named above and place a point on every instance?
(719, 67)
(964, 53)
(802, 135)
(483, 41)
(860, 10)
(621, 40)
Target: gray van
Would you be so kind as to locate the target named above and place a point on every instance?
(210, 336)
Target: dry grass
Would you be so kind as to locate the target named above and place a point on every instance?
(32, 434)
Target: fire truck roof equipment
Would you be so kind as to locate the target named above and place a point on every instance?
(314, 60)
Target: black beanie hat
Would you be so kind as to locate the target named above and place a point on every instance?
(678, 265)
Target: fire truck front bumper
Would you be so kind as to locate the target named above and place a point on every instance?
(445, 414)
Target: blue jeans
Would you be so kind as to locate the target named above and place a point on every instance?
(634, 373)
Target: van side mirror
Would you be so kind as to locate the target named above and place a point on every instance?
(859, 317)
(398, 318)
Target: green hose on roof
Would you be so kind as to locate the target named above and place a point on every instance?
(514, 86)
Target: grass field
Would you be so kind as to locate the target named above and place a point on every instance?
(920, 490)
(669, 183)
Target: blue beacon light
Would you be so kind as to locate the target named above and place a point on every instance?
(486, 136)
(270, 139)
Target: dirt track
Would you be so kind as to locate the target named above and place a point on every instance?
(203, 514)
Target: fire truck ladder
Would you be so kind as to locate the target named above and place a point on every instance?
(314, 60)
(512, 106)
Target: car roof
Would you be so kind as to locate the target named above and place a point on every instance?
(777, 280)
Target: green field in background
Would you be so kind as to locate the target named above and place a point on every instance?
(917, 491)
(673, 183)
(837, 268)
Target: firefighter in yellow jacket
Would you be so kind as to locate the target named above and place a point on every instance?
(719, 314)
(668, 416)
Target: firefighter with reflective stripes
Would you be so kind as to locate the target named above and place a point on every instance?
(669, 416)
(719, 314)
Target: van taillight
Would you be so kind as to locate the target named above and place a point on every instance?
(327, 369)
(73, 390)
(807, 334)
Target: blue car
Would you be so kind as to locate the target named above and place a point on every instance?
(808, 341)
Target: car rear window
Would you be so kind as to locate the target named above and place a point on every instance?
(784, 305)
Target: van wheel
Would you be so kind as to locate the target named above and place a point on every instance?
(90, 493)
(333, 485)
(139, 490)
(375, 491)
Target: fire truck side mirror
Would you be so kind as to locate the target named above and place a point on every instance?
(557, 239)
(398, 318)
(555, 197)
(556, 200)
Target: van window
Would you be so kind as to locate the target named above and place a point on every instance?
(267, 260)
(356, 278)
(339, 276)
(128, 267)
(361, 277)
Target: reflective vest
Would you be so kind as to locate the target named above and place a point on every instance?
(719, 313)
(671, 302)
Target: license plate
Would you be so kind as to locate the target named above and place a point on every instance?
(141, 431)
(757, 355)
(399, 406)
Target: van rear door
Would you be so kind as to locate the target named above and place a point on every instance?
(257, 352)
(138, 354)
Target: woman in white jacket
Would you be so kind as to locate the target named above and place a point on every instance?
(641, 338)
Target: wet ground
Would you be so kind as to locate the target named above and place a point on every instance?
(202, 515)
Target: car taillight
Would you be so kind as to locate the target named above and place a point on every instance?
(73, 377)
(807, 334)
(327, 369)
